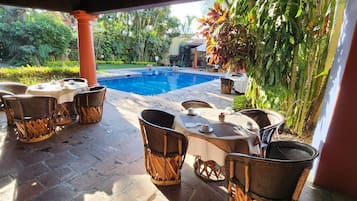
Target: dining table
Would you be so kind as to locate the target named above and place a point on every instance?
(64, 92)
(236, 133)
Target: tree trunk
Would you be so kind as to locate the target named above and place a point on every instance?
(293, 77)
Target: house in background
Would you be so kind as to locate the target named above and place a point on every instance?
(184, 51)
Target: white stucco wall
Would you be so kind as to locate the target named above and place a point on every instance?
(333, 85)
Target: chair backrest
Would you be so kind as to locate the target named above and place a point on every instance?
(226, 85)
(13, 87)
(227, 81)
(31, 106)
(94, 97)
(158, 117)
(4, 93)
(275, 177)
(195, 104)
(158, 135)
(76, 79)
(269, 122)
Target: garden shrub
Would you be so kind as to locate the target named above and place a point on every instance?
(62, 64)
(241, 102)
(33, 74)
(109, 62)
(143, 62)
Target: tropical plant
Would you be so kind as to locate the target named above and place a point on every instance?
(32, 74)
(11, 14)
(186, 25)
(291, 45)
(240, 103)
(292, 39)
(138, 35)
(39, 38)
(227, 39)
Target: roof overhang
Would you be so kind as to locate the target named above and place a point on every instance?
(91, 6)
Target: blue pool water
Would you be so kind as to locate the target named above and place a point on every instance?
(153, 82)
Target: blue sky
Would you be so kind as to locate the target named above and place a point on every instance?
(182, 10)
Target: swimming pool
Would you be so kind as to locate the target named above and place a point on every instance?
(153, 82)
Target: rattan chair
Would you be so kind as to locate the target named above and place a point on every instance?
(279, 176)
(226, 85)
(67, 112)
(270, 122)
(75, 79)
(4, 107)
(34, 116)
(164, 148)
(195, 104)
(13, 87)
(89, 104)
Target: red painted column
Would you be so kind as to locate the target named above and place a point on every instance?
(195, 57)
(338, 161)
(86, 46)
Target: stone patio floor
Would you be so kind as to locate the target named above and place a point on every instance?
(105, 161)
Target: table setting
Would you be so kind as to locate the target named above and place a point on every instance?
(213, 133)
(64, 92)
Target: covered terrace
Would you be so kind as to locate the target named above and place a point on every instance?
(105, 161)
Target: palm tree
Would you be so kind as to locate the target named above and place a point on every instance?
(186, 26)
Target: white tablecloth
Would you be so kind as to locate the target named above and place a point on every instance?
(240, 83)
(225, 138)
(63, 93)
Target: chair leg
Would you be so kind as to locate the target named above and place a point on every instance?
(209, 170)
(65, 113)
(90, 114)
(35, 130)
(9, 116)
(300, 184)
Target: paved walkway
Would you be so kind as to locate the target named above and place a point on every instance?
(104, 161)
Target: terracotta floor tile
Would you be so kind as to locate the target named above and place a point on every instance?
(105, 161)
(28, 190)
(58, 193)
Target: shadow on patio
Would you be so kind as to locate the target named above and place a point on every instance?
(99, 161)
(105, 161)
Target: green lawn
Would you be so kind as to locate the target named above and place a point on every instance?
(119, 66)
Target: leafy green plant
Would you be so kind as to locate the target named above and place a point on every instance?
(138, 35)
(109, 62)
(272, 97)
(289, 59)
(143, 62)
(241, 102)
(227, 39)
(40, 37)
(62, 64)
(34, 74)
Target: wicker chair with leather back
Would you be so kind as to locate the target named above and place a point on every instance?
(75, 79)
(270, 122)
(89, 104)
(4, 107)
(13, 87)
(195, 104)
(164, 148)
(34, 116)
(279, 176)
(3, 93)
(226, 85)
